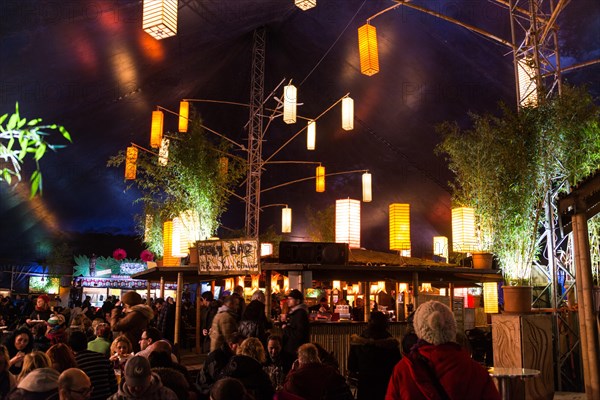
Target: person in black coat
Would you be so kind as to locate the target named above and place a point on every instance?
(295, 325)
(254, 322)
(247, 366)
(372, 358)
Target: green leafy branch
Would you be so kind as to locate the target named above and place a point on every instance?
(20, 139)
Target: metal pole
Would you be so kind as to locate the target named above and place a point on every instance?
(148, 292)
(397, 308)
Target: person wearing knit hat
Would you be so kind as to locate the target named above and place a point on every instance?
(435, 323)
(42, 311)
(41, 383)
(141, 383)
(295, 326)
(437, 367)
(132, 318)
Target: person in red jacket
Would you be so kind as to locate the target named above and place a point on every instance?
(437, 367)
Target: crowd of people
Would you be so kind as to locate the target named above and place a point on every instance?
(123, 350)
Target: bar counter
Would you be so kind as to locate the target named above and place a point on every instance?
(335, 336)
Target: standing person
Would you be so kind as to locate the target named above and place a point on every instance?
(141, 383)
(96, 367)
(224, 323)
(358, 311)
(133, 319)
(210, 309)
(295, 325)
(238, 292)
(165, 320)
(437, 367)
(254, 322)
(372, 358)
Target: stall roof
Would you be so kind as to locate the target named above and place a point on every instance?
(367, 265)
(190, 274)
(460, 276)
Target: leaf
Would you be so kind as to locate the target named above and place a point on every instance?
(3, 118)
(40, 151)
(21, 123)
(65, 134)
(6, 176)
(33, 122)
(36, 183)
(12, 122)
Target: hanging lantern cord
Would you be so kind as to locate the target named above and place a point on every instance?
(311, 178)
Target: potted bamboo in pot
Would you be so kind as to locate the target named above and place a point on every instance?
(504, 166)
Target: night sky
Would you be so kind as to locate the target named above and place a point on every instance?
(90, 67)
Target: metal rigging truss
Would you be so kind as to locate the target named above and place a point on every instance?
(255, 133)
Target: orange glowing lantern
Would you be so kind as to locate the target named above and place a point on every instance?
(320, 179)
(367, 48)
(400, 228)
(130, 163)
(156, 129)
(184, 115)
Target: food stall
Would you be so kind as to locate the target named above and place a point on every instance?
(375, 276)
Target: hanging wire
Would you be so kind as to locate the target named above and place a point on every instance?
(334, 43)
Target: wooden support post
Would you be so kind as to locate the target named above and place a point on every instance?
(415, 291)
(589, 336)
(162, 287)
(451, 296)
(268, 290)
(367, 291)
(397, 301)
(148, 293)
(178, 306)
(198, 332)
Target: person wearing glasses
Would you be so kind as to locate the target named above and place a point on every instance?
(74, 384)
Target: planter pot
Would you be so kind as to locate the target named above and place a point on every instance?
(159, 263)
(482, 260)
(517, 299)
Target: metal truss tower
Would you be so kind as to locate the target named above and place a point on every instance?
(255, 133)
(537, 75)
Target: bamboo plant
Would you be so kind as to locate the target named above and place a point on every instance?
(505, 165)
